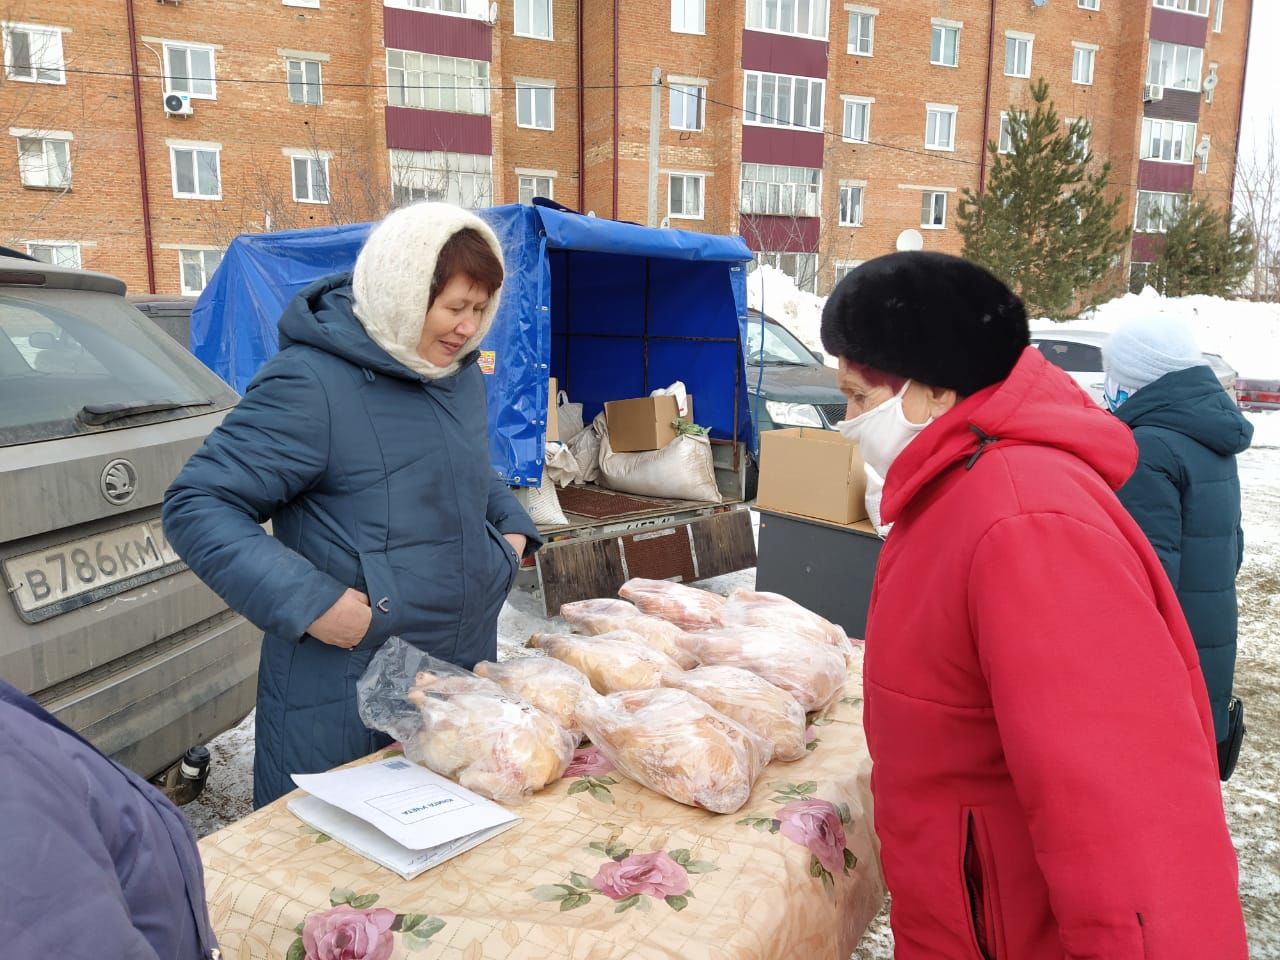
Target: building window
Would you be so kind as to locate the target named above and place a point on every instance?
(684, 195)
(190, 69)
(862, 32)
(33, 54)
(310, 178)
(1174, 66)
(775, 99)
(933, 210)
(45, 161)
(1200, 7)
(1138, 276)
(196, 172)
(1082, 57)
(781, 191)
(857, 119)
(851, 204)
(56, 254)
(801, 18)
(428, 81)
(802, 268)
(477, 9)
(1217, 16)
(1168, 140)
(846, 267)
(309, 4)
(1087, 4)
(463, 179)
(944, 48)
(939, 127)
(1017, 54)
(1077, 131)
(1005, 143)
(688, 16)
(197, 266)
(1156, 211)
(535, 105)
(304, 82)
(688, 106)
(532, 185)
(533, 19)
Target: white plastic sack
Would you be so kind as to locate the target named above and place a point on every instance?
(585, 448)
(561, 468)
(569, 416)
(543, 505)
(682, 470)
(679, 391)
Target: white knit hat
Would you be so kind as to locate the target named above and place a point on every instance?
(1145, 348)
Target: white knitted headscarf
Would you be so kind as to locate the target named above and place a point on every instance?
(392, 280)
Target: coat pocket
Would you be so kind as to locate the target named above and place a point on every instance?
(380, 587)
(511, 561)
(979, 885)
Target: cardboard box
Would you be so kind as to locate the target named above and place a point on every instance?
(642, 424)
(812, 473)
(553, 412)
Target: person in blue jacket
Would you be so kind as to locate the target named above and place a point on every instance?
(365, 442)
(1185, 493)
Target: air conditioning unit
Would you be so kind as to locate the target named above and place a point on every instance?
(1152, 92)
(177, 105)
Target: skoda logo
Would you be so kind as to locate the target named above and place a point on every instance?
(119, 482)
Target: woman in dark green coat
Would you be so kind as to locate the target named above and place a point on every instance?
(1185, 493)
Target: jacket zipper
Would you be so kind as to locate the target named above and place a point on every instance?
(973, 880)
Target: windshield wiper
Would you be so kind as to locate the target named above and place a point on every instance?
(96, 414)
(756, 362)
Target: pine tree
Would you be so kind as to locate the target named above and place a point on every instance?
(1045, 224)
(1203, 252)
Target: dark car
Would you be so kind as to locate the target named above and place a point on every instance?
(789, 384)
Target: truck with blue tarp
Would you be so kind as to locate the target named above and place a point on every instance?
(612, 311)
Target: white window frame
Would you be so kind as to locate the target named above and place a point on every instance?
(182, 45)
(1004, 140)
(1088, 4)
(849, 111)
(858, 208)
(528, 32)
(44, 62)
(533, 86)
(754, 114)
(1166, 65)
(1198, 8)
(701, 179)
(1217, 15)
(308, 4)
(424, 65)
(943, 26)
(1169, 204)
(689, 16)
(463, 179)
(774, 259)
(679, 87)
(202, 253)
(194, 147)
(314, 159)
(534, 176)
(470, 9)
(1082, 145)
(1172, 137)
(758, 11)
(44, 138)
(779, 190)
(75, 245)
(940, 109)
(946, 202)
(302, 63)
(843, 268)
(1088, 52)
(863, 16)
(1030, 40)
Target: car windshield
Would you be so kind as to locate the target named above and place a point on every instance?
(79, 361)
(780, 347)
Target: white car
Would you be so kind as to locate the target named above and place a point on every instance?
(1079, 353)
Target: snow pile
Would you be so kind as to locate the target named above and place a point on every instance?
(775, 294)
(1266, 429)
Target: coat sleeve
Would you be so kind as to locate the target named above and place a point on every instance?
(1153, 498)
(269, 450)
(1103, 722)
(505, 513)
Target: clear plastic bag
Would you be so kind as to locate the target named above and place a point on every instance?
(687, 607)
(606, 615)
(813, 673)
(551, 685)
(463, 727)
(613, 661)
(764, 709)
(750, 608)
(677, 745)
(585, 448)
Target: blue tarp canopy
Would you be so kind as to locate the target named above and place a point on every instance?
(612, 310)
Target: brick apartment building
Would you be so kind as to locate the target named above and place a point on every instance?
(819, 130)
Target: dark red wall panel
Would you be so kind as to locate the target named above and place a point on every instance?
(409, 129)
(437, 33)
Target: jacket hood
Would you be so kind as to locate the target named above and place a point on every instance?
(392, 280)
(1036, 404)
(1191, 402)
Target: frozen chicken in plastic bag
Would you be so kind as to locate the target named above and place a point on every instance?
(764, 709)
(750, 608)
(687, 607)
(813, 673)
(462, 726)
(606, 615)
(678, 745)
(613, 661)
(551, 685)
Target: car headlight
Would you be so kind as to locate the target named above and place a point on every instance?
(794, 414)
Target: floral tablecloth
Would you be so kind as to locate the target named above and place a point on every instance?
(598, 869)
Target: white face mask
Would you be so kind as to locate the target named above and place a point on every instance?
(882, 432)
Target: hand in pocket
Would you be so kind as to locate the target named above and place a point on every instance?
(346, 622)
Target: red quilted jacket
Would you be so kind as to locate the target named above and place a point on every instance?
(1045, 770)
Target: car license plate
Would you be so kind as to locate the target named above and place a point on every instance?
(59, 573)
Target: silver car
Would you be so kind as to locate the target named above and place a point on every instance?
(104, 625)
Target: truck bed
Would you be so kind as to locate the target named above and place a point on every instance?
(593, 506)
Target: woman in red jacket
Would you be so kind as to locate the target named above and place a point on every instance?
(1045, 770)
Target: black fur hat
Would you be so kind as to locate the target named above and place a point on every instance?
(929, 317)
